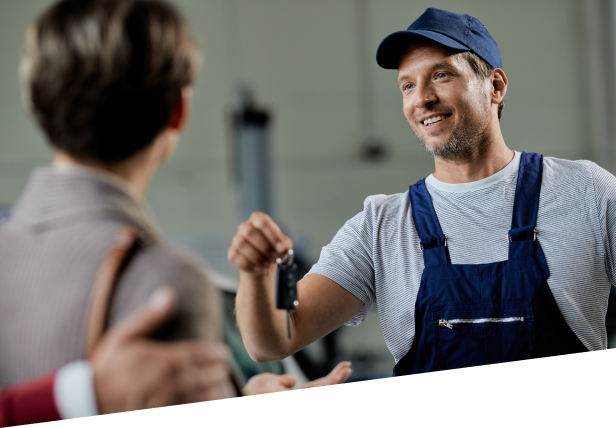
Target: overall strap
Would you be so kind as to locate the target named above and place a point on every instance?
(526, 202)
(523, 236)
(433, 241)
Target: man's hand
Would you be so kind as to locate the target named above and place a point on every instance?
(257, 244)
(132, 372)
(323, 304)
(268, 382)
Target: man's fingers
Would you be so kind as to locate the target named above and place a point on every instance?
(339, 374)
(250, 235)
(279, 241)
(149, 317)
(238, 259)
(250, 253)
(243, 255)
(258, 242)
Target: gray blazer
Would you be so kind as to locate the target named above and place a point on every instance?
(51, 246)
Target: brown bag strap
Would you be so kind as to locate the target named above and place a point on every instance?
(105, 283)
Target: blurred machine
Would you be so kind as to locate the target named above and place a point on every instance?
(251, 155)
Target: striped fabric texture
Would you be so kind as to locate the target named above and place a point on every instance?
(376, 254)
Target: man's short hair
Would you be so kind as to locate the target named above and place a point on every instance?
(483, 70)
(102, 77)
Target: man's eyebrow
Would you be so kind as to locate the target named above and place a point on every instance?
(441, 65)
(401, 78)
(435, 66)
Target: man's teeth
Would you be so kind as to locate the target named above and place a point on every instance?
(433, 120)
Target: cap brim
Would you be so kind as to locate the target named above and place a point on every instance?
(392, 46)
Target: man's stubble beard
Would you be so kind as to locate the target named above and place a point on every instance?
(462, 143)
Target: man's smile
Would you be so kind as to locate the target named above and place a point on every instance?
(434, 120)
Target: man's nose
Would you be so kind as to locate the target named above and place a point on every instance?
(425, 96)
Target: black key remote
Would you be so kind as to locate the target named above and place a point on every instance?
(286, 287)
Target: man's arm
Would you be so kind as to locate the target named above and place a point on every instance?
(604, 186)
(324, 305)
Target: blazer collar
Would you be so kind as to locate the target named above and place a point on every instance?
(56, 196)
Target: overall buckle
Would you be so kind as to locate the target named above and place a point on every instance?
(445, 245)
(509, 236)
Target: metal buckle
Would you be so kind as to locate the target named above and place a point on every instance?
(421, 246)
(534, 235)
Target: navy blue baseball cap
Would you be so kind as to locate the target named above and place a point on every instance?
(459, 32)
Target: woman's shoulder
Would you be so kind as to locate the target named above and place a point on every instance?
(165, 263)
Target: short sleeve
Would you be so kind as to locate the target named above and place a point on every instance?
(605, 195)
(347, 260)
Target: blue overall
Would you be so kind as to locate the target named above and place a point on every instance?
(471, 315)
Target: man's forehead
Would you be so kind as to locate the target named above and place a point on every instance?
(420, 55)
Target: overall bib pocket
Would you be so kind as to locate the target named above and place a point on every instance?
(485, 332)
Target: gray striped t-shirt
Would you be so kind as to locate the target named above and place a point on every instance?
(376, 254)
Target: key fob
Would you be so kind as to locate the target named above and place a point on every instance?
(286, 284)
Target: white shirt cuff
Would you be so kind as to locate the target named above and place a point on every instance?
(74, 390)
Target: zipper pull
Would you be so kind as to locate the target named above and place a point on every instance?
(445, 323)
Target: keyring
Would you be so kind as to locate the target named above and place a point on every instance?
(287, 261)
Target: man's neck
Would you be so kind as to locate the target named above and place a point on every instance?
(135, 179)
(483, 162)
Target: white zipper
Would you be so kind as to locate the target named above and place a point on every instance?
(449, 323)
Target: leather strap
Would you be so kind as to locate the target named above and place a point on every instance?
(105, 283)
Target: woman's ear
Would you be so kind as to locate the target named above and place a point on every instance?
(181, 111)
(499, 86)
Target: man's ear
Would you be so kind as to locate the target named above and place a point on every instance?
(181, 111)
(499, 86)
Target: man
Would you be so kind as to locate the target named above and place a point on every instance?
(109, 82)
(127, 372)
(497, 256)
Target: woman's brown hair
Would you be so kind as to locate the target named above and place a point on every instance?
(102, 77)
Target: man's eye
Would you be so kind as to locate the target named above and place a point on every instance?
(441, 75)
(408, 86)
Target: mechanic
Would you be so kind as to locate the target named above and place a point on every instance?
(497, 256)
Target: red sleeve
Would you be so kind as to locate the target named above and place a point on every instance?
(29, 403)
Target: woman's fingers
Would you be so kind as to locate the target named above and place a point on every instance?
(339, 374)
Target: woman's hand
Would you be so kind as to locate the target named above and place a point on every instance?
(265, 383)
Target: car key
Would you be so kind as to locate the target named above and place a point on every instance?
(286, 287)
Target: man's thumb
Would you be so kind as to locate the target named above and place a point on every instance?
(150, 316)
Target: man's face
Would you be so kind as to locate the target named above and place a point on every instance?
(447, 105)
